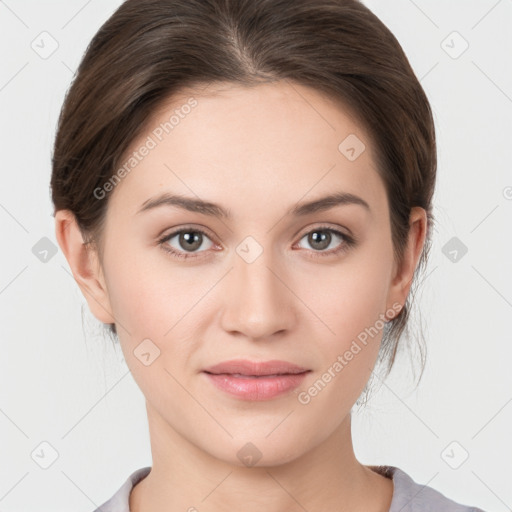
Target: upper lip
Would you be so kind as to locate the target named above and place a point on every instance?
(245, 367)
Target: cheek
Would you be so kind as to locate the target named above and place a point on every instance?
(136, 296)
(149, 293)
(350, 298)
(152, 302)
(348, 304)
(349, 301)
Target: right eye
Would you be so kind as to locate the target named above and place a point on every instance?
(188, 238)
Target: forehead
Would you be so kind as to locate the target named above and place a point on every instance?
(270, 143)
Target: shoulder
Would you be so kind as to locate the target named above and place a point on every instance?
(120, 501)
(410, 496)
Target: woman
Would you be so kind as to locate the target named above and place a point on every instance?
(243, 190)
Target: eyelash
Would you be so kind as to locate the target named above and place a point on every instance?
(348, 243)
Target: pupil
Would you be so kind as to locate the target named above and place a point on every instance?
(191, 240)
(324, 236)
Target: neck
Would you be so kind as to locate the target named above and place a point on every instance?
(185, 477)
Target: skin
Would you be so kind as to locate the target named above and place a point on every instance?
(257, 152)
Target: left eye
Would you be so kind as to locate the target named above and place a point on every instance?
(321, 238)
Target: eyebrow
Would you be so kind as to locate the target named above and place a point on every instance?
(207, 208)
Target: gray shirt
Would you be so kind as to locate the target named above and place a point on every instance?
(408, 496)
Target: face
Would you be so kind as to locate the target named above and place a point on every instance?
(269, 279)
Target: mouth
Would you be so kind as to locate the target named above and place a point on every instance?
(246, 368)
(256, 381)
(246, 376)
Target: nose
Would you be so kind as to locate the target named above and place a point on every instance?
(258, 299)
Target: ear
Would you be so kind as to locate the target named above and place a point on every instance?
(84, 264)
(402, 276)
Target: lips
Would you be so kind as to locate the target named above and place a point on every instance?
(247, 369)
(255, 381)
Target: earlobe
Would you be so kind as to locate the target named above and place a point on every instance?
(84, 265)
(403, 276)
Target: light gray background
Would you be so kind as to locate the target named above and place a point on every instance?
(74, 391)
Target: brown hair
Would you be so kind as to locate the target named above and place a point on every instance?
(150, 50)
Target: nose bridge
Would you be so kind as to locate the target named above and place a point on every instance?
(257, 302)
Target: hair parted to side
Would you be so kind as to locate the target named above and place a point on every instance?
(150, 50)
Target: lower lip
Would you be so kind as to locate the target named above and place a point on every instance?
(256, 388)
